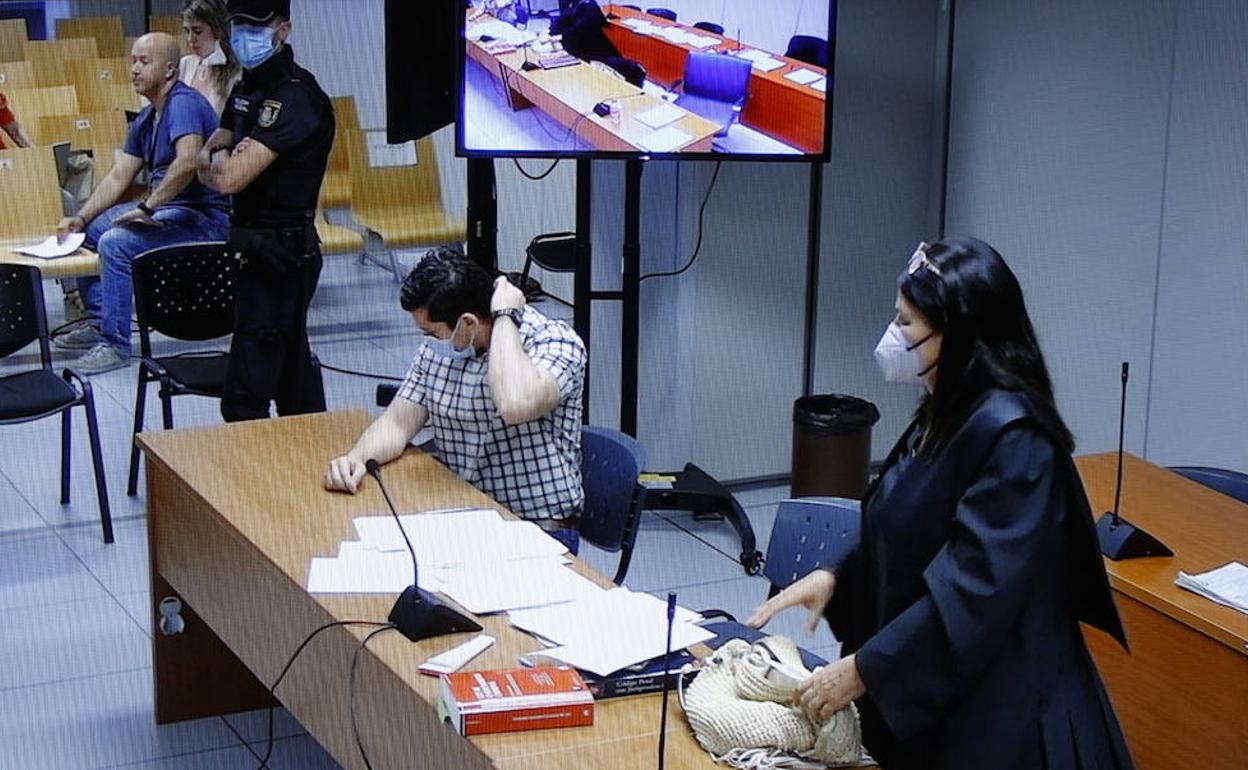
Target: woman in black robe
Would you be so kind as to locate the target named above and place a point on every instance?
(959, 609)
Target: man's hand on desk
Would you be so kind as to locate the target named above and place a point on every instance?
(74, 224)
(344, 474)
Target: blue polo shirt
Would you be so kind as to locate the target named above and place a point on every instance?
(186, 112)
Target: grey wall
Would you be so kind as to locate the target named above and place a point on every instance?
(1101, 148)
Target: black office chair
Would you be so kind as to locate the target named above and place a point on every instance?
(37, 393)
(809, 533)
(610, 464)
(662, 13)
(632, 7)
(709, 26)
(1228, 482)
(812, 50)
(185, 292)
(555, 252)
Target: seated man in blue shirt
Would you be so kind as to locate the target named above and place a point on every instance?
(164, 139)
(499, 383)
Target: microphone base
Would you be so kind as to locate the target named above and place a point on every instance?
(1123, 540)
(419, 615)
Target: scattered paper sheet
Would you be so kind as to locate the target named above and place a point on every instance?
(803, 76)
(50, 249)
(606, 633)
(768, 64)
(358, 569)
(1226, 585)
(666, 140)
(660, 116)
(750, 54)
(820, 85)
(702, 41)
(514, 585)
(457, 538)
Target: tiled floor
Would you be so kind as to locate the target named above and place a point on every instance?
(75, 669)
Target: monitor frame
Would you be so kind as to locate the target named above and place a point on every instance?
(461, 150)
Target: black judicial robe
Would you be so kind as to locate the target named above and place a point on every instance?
(963, 601)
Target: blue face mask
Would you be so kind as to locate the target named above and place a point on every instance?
(446, 348)
(252, 45)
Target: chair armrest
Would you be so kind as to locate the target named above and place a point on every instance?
(714, 614)
(71, 376)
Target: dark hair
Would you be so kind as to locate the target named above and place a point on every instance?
(987, 341)
(447, 284)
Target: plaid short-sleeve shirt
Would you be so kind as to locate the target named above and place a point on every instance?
(533, 468)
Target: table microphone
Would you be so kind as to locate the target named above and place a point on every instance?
(667, 680)
(1119, 538)
(418, 614)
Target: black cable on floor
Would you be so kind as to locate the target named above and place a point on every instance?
(355, 660)
(268, 751)
(354, 373)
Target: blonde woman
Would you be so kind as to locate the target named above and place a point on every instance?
(211, 68)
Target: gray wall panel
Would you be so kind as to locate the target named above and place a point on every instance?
(1057, 132)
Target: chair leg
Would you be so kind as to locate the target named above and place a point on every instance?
(394, 267)
(140, 404)
(101, 488)
(66, 431)
(166, 405)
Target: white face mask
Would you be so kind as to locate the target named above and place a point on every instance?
(899, 360)
(216, 58)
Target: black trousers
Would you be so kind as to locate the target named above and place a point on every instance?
(270, 360)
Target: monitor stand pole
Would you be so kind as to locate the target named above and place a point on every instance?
(483, 213)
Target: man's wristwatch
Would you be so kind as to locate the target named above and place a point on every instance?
(515, 314)
(146, 209)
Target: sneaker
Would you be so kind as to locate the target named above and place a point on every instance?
(83, 337)
(99, 359)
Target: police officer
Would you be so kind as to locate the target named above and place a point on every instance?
(270, 153)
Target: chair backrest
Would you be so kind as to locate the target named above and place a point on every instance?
(170, 24)
(30, 195)
(48, 58)
(186, 292)
(662, 13)
(31, 104)
(22, 316)
(709, 26)
(1228, 482)
(88, 130)
(715, 76)
(336, 187)
(17, 74)
(610, 464)
(812, 50)
(103, 84)
(417, 190)
(12, 40)
(110, 36)
(809, 532)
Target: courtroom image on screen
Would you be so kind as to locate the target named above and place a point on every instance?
(583, 77)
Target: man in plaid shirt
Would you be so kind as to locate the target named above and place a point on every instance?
(500, 385)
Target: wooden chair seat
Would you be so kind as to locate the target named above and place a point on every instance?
(336, 239)
(48, 58)
(30, 105)
(12, 40)
(403, 204)
(336, 188)
(17, 74)
(109, 35)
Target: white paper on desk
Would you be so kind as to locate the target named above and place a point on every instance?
(606, 633)
(1226, 585)
(358, 569)
(657, 117)
(767, 64)
(50, 249)
(702, 41)
(751, 54)
(820, 85)
(515, 584)
(640, 25)
(665, 139)
(460, 538)
(803, 76)
(499, 30)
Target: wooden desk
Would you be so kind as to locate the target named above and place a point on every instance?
(776, 106)
(78, 264)
(234, 515)
(1182, 693)
(568, 95)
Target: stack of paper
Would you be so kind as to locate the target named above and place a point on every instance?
(665, 140)
(458, 538)
(820, 85)
(1227, 585)
(660, 116)
(803, 76)
(607, 632)
(515, 584)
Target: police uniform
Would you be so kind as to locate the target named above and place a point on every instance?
(280, 105)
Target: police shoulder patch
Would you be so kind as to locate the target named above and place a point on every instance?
(269, 112)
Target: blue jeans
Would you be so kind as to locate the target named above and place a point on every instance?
(111, 294)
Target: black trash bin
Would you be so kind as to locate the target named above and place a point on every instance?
(832, 445)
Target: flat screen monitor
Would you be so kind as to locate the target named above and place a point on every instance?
(693, 79)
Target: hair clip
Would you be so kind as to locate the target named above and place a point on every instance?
(919, 260)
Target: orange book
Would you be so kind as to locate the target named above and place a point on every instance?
(510, 700)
